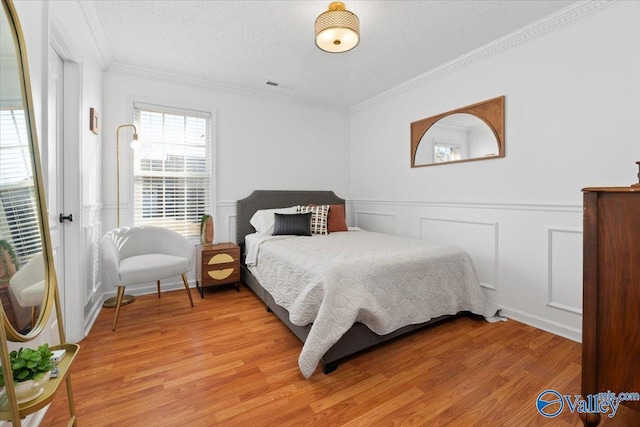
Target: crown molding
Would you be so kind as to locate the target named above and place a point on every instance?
(219, 87)
(546, 25)
(88, 12)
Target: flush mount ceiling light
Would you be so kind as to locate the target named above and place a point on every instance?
(337, 29)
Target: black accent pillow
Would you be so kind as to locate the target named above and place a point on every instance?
(292, 224)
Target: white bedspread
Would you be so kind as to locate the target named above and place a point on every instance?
(383, 281)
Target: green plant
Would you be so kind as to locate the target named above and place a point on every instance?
(5, 247)
(28, 364)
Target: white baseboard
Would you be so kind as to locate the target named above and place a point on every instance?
(544, 324)
(91, 318)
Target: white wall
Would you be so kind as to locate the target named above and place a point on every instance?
(261, 142)
(572, 108)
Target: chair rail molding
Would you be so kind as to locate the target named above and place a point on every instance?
(549, 207)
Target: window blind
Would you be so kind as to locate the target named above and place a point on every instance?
(172, 168)
(19, 224)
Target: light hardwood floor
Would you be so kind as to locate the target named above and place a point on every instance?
(229, 362)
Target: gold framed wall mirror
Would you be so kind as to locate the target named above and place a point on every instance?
(474, 132)
(27, 277)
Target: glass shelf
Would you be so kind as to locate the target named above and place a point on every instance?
(50, 387)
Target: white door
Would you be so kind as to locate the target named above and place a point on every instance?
(53, 165)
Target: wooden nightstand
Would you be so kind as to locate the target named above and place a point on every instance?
(217, 265)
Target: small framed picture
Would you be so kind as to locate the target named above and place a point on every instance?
(93, 121)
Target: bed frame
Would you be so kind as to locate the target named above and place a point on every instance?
(356, 339)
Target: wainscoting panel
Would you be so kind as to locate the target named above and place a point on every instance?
(94, 290)
(225, 222)
(92, 235)
(478, 239)
(376, 221)
(527, 256)
(565, 269)
(231, 228)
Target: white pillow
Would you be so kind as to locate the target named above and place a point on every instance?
(264, 220)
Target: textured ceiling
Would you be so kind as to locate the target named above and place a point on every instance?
(247, 43)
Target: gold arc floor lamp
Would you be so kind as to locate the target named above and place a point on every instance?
(127, 299)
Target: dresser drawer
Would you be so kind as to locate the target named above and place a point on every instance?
(218, 265)
(215, 257)
(220, 274)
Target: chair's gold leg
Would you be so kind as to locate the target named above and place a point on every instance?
(158, 288)
(118, 304)
(186, 286)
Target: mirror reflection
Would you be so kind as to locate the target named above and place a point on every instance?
(474, 132)
(456, 137)
(22, 272)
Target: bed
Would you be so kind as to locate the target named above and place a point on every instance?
(325, 339)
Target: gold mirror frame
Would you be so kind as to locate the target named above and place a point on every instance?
(491, 112)
(50, 282)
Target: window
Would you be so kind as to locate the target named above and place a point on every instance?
(172, 168)
(19, 226)
(446, 152)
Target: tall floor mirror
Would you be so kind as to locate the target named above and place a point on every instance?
(28, 286)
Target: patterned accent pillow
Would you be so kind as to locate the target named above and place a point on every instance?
(319, 216)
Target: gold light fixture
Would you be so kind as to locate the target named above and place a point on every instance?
(126, 299)
(337, 29)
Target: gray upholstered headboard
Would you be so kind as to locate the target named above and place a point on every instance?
(270, 199)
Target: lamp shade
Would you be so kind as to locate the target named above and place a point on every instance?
(337, 29)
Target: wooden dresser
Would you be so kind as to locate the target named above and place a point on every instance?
(217, 265)
(611, 293)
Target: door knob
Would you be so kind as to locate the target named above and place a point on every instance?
(67, 217)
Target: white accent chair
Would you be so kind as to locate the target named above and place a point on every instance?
(27, 285)
(141, 254)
